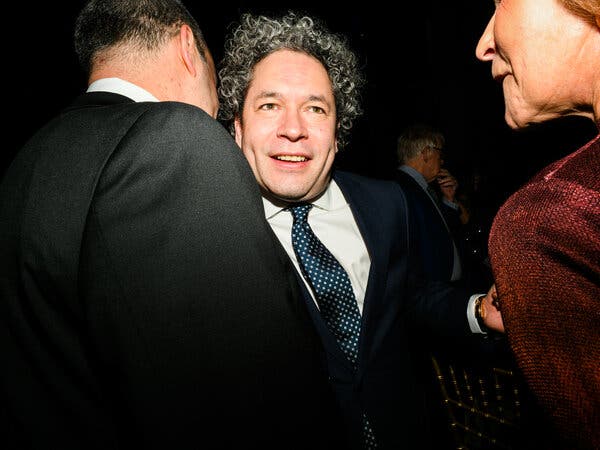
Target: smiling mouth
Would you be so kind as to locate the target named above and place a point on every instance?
(291, 158)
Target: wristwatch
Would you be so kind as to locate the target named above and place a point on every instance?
(480, 312)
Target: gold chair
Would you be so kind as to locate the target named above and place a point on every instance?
(483, 404)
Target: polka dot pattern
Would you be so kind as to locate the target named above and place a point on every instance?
(333, 292)
(329, 282)
(368, 435)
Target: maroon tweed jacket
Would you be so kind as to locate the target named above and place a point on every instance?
(545, 254)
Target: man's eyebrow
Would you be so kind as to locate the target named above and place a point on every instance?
(317, 98)
(269, 94)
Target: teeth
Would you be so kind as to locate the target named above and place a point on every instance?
(291, 158)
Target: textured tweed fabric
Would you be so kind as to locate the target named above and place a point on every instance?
(545, 253)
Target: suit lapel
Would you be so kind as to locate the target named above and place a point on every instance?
(369, 220)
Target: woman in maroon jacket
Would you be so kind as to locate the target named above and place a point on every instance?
(545, 241)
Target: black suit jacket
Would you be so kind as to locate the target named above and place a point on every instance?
(145, 302)
(399, 308)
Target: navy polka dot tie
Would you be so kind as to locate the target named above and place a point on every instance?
(329, 282)
(333, 293)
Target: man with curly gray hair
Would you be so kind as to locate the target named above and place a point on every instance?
(290, 89)
(260, 36)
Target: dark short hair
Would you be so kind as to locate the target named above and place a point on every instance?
(145, 24)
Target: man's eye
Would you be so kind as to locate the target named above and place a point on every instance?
(268, 106)
(316, 109)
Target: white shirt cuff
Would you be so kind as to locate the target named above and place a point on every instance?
(452, 205)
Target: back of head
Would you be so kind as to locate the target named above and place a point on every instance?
(256, 37)
(139, 25)
(415, 138)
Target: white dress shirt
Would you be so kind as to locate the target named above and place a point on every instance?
(333, 223)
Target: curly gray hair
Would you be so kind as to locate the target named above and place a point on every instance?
(258, 36)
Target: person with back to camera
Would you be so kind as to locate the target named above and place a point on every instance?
(290, 92)
(144, 301)
(544, 243)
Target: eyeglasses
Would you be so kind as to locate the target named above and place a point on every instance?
(439, 149)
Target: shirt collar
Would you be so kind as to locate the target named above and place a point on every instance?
(331, 199)
(415, 174)
(119, 86)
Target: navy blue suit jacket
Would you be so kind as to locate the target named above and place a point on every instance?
(398, 307)
(434, 239)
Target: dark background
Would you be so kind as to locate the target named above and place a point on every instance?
(419, 61)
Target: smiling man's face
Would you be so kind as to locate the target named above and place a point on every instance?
(287, 129)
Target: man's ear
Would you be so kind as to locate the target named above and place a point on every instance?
(188, 49)
(237, 123)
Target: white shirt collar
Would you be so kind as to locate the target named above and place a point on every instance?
(119, 86)
(331, 199)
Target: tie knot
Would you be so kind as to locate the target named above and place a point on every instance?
(300, 212)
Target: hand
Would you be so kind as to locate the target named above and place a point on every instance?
(448, 185)
(490, 311)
